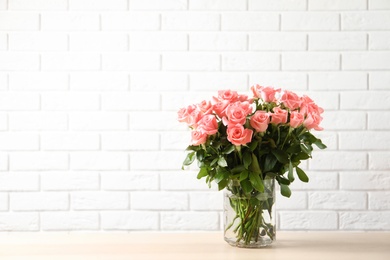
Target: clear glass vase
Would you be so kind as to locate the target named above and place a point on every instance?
(249, 220)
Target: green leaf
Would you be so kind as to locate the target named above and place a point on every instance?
(285, 190)
(222, 162)
(189, 159)
(246, 186)
(238, 169)
(281, 180)
(270, 162)
(280, 155)
(213, 162)
(256, 181)
(319, 144)
(228, 149)
(222, 184)
(252, 146)
(200, 155)
(290, 175)
(222, 173)
(307, 148)
(293, 149)
(300, 156)
(247, 160)
(202, 173)
(255, 167)
(302, 175)
(243, 175)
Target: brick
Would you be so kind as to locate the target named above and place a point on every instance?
(19, 221)
(70, 61)
(250, 61)
(290, 80)
(310, 61)
(38, 121)
(365, 100)
(167, 160)
(98, 42)
(130, 220)
(310, 21)
(3, 41)
(367, 140)
(277, 41)
(19, 101)
(364, 180)
(218, 80)
(338, 80)
(69, 221)
(159, 200)
(87, 5)
(317, 181)
(161, 121)
(130, 181)
(364, 221)
(379, 41)
(158, 5)
(359, 21)
(72, 21)
(131, 101)
(379, 80)
(298, 200)
(331, 161)
(84, 121)
(379, 160)
(174, 140)
(130, 141)
(3, 162)
(3, 121)
(231, 5)
(133, 61)
(214, 201)
(97, 200)
(333, 41)
(4, 202)
(18, 61)
(161, 41)
(329, 138)
(182, 181)
(189, 221)
(37, 201)
(38, 42)
(379, 200)
(99, 81)
(130, 21)
(12, 21)
(19, 141)
(173, 101)
(249, 21)
(378, 4)
(326, 99)
(146, 81)
(191, 62)
(277, 5)
(50, 81)
(366, 61)
(338, 200)
(3, 4)
(70, 101)
(37, 5)
(64, 181)
(19, 181)
(221, 41)
(190, 21)
(69, 141)
(295, 220)
(41, 161)
(99, 161)
(344, 120)
(336, 5)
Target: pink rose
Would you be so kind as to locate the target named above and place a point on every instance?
(313, 120)
(296, 119)
(220, 108)
(236, 113)
(198, 138)
(267, 94)
(206, 107)
(308, 106)
(208, 125)
(228, 95)
(259, 121)
(279, 116)
(184, 113)
(238, 135)
(291, 100)
(194, 118)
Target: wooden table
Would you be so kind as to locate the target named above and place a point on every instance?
(192, 246)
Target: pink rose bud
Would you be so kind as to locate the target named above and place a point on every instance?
(279, 116)
(259, 121)
(238, 135)
(296, 119)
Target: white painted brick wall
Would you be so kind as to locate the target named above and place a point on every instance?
(89, 92)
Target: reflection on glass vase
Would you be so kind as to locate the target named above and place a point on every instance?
(249, 219)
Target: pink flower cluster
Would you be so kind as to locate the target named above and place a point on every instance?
(237, 113)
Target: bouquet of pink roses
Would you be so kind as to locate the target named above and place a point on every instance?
(240, 142)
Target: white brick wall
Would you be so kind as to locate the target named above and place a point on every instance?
(89, 92)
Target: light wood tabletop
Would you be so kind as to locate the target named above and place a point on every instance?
(192, 246)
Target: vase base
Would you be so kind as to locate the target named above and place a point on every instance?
(261, 243)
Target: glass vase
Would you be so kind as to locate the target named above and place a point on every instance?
(249, 220)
